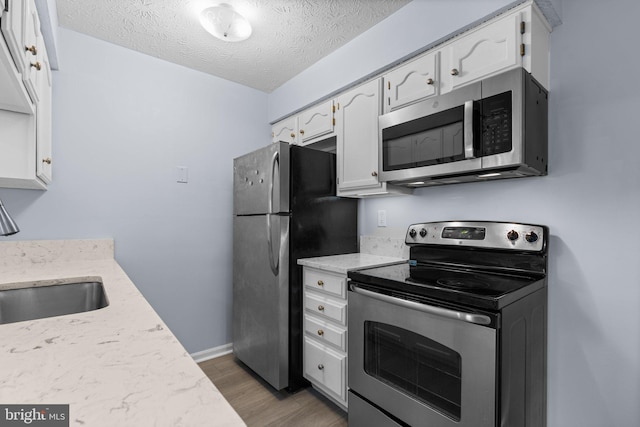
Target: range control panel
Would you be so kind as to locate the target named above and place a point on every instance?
(481, 234)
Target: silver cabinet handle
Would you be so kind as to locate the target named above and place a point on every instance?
(479, 319)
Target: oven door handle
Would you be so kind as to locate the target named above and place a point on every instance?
(478, 319)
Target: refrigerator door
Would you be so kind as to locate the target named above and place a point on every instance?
(261, 181)
(261, 295)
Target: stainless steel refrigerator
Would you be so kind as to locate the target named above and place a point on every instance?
(285, 208)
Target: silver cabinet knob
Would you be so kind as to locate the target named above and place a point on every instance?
(47, 160)
(454, 72)
(374, 173)
(321, 307)
(320, 332)
(429, 81)
(321, 366)
(320, 283)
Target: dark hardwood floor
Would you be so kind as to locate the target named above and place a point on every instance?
(258, 404)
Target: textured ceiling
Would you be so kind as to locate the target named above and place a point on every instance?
(288, 35)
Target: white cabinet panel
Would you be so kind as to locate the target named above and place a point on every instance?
(487, 50)
(357, 132)
(316, 122)
(325, 332)
(413, 81)
(326, 367)
(326, 306)
(323, 281)
(285, 130)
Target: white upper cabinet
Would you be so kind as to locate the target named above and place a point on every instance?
(13, 93)
(32, 51)
(357, 137)
(285, 130)
(316, 123)
(412, 81)
(490, 49)
(518, 39)
(25, 99)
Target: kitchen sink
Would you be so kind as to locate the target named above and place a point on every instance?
(39, 302)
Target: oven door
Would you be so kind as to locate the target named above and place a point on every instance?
(423, 364)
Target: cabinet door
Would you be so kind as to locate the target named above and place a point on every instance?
(285, 131)
(411, 82)
(487, 50)
(316, 122)
(326, 367)
(357, 114)
(12, 23)
(32, 55)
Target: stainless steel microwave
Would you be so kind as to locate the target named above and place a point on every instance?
(495, 128)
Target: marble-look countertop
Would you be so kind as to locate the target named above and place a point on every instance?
(116, 366)
(347, 262)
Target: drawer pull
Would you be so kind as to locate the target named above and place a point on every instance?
(321, 366)
(320, 283)
(430, 81)
(321, 307)
(320, 332)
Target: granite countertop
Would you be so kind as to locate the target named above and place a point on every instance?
(116, 366)
(347, 262)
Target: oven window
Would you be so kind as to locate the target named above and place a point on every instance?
(415, 365)
(430, 140)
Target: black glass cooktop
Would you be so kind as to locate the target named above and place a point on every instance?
(456, 285)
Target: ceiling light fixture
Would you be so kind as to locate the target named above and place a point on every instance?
(223, 22)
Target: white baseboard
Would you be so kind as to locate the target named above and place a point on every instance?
(212, 353)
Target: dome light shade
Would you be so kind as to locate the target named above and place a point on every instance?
(223, 22)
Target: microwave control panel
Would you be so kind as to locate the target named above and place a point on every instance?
(496, 124)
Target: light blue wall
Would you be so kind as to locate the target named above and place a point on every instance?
(590, 199)
(122, 122)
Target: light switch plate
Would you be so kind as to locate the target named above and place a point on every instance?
(182, 174)
(382, 218)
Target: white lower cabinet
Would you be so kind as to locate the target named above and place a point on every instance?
(325, 333)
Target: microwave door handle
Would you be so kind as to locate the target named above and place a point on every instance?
(468, 130)
(478, 319)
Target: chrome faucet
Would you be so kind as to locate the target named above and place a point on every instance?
(7, 225)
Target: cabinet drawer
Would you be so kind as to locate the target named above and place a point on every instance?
(326, 367)
(333, 284)
(325, 332)
(326, 307)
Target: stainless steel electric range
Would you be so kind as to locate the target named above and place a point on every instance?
(456, 337)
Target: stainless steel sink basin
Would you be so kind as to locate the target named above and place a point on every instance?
(39, 302)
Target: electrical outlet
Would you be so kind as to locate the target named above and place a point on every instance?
(382, 218)
(182, 173)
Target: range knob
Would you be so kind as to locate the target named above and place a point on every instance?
(412, 233)
(531, 237)
(423, 232)
(513, 235)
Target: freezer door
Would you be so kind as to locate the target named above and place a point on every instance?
(261, 296)
(261, 181)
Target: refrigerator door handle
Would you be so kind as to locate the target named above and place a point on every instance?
(273, 262)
